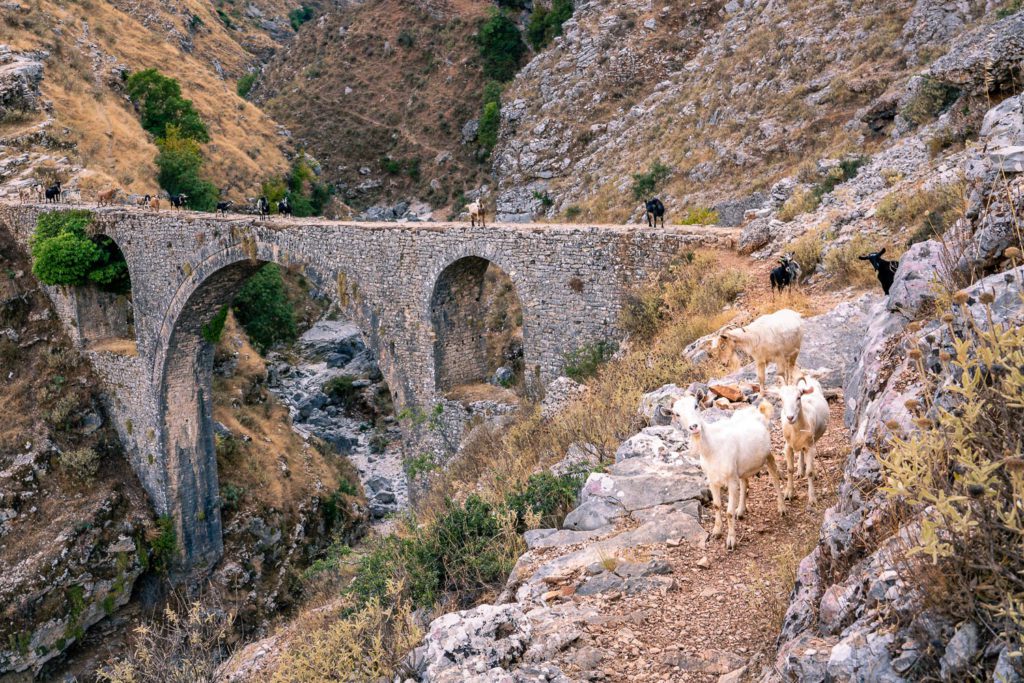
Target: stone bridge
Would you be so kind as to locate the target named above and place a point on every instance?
(414, 290)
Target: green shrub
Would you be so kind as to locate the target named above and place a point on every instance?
(340, 389)
(700, 215)
(645, 184)
(1009, 9)
(263, 309)
(160, 104)
(929, 212)
(547, 497)
(213, 330)
(299, 16)
(544, 198)
(501, 47)
(63, 254)
(585, 361)
(546, 23)
(180, 165)
(492, 92)
(931, 99)
(468, 550)
(573, 212)
(490, 122)
(416, 465)
(245, 84)
(164, 547)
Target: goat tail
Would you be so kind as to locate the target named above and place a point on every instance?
(766, 409)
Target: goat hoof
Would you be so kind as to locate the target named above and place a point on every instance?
(740, 514)
(788, 495)
(730, 544)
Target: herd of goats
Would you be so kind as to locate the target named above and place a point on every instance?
(57, 194)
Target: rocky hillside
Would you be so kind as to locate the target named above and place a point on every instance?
(381, 93)
(63, 108)
(76, 528)
(728, 98)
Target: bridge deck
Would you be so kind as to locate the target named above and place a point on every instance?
(278, 222)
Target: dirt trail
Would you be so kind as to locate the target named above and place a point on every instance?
(725, 608)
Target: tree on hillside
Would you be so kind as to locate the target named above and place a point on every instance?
(546, 23)
(263, 309)
(160, 104)
(180, 164)
(501, 46)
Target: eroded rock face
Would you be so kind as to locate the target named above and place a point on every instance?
(20, 76)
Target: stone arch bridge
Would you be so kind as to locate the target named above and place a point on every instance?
(414, 290)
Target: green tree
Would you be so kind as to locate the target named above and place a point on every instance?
(490, 122)
(64, 254)
(501, 46)
(263, 309)
(245, 84)
(180, 164)
(545, 24)
(160, 104)
(65, 259)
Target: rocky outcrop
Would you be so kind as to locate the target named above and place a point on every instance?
(20, 76)
(851, 616)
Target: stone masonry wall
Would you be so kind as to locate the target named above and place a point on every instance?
(185, 265)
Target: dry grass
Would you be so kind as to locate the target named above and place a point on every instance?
(110, 142)
(481, 391)
(121, 347)
(794, 298)
(842, 262)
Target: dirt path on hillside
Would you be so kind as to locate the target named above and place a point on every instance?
(724, 609)
(720, 617)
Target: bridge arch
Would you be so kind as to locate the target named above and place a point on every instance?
(183, 380)
(105, 310)
(461, 328)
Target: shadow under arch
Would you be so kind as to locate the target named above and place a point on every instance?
(105, 315)
(468, 339)
(183, 379)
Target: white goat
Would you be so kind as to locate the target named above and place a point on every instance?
(476, 212)
(771, 338)
(731, 451)
(804, 421)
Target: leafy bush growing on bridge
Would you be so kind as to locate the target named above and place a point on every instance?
(263, 309)
(64, 254)
(501, 46)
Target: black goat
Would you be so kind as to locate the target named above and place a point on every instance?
(53, 193)
(263, 207)
(654, 208)
(223, 207)
(284, 207)
(787, 273)
(885, 269)
(179, 201)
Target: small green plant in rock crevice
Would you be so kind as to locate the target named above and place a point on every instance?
(585, 361)
(646, 184)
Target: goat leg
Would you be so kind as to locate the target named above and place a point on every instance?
(812, 451)
(773, 472)
(716, 502)
(730, 539)
(789, 472)
(742, 509)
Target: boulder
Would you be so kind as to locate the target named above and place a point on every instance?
(650, 402)
(558, 394)
(463, 646)
(1002, 132)
(913, 287)
(960, 652)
